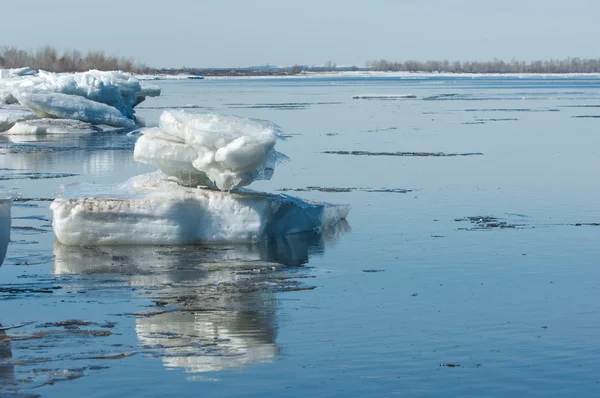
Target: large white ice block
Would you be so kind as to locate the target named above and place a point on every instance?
(64, 106)
(151, 210)
(5, 205)
(223, 152)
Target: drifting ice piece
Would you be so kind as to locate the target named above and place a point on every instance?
(223, 152)
(151, 210)
(5, 204)
(64, 106)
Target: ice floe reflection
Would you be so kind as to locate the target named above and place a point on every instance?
(214, 306)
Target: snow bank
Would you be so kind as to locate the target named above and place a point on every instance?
(223, 152)
(5, 204)
(149, 209)
(9, 115)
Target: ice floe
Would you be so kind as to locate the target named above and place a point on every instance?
(150, 209)
(95, 97)
(5, 221)
(223, 152)
(64, 106)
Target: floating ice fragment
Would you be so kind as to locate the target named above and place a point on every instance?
(118, 90)
(223, 152)
(151, 210)
(63, 106)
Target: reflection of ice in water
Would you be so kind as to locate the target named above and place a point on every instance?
(214, 340)
(215, 318)
(7, 373)
(5, 221)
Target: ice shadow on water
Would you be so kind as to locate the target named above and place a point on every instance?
(214, 306)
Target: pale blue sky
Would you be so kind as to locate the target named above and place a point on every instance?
(173, 33)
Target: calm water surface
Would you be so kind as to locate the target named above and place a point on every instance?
(472, 275)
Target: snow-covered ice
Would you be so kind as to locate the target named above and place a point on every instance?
(150, 209)
(5, 220)
(64, 106)
(223, 152)
(95, 97)
(9, 115)
(16, 72)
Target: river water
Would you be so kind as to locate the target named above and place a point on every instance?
(468, 265)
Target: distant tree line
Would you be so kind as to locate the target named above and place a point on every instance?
(567, 65)
(48, 59)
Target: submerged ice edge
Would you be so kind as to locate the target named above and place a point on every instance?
(148, 210)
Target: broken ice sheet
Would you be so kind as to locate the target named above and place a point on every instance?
(150, 209)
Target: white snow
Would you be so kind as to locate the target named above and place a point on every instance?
(64, 106)
(225, 152)
(16, 72)
(149, 209)
(5, 220)
(9, 115)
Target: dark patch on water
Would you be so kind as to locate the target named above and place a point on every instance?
(345, 190)
(580, 106)
(384, 97)
(416, 154)
(486, 223)
(26, 199)
(512, 110)
(39, 218)
(587, 224)
(176, 107)
(373, 270)
(474, 123)
(378, 130)
(587, 116)
(28, 230)
(505, 119)
(447, 97)
(35, 176)
(283, 106)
